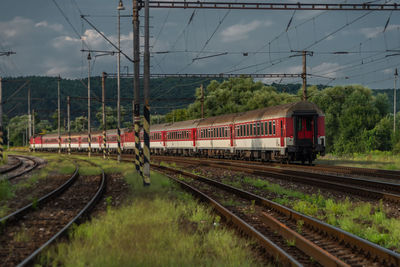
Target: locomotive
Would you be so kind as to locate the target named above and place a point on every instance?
(286, 133)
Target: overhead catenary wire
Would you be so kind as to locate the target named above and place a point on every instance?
(70, 24)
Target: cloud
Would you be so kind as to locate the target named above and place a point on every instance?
(16, 27)
(56, 27)
(327, 69)
(373, 32)
(240, 31)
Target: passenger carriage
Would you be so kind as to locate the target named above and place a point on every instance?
(289, 132)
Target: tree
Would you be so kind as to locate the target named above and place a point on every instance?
(380, 137)
(18, 126)
(79, 124)
(43, 127)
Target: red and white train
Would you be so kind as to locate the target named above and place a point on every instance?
(289, 132)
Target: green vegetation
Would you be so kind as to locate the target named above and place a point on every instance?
(374, 159)
(163, 226)
(357, 118)
(362, 219)
(6, 190)
(56, 166)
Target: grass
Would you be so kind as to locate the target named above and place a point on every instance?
(163, 226)
(362, 219)
(374, 159)
(6, 190)
(56, 166)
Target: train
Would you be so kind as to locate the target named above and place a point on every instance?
(292, 132)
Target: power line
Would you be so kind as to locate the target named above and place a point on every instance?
(69, 22)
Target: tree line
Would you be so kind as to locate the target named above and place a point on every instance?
(357, 119)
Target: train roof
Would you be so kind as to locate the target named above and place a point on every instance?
(285, 110)
(176, 125)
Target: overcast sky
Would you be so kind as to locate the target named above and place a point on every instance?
(46, 44)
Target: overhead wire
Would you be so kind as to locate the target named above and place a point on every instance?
(207, 42)
(69, 22)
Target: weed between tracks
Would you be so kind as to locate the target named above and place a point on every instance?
(362, 219)
(162, 226)
(56, 166)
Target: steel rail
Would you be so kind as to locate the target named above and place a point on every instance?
(87, 207)
(13, 167)
(383, 255)
(20, 212)
(297, 178)
(35, 164)
(282, 257)
(350, 180)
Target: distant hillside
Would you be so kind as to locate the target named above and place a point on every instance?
(166, 94)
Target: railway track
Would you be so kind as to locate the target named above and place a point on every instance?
(330, 169)
(9, 167)
(277, 228)
(366, 188)
(27, 231)
(25, 164)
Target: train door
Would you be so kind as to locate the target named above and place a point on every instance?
(305, 129)
(231, 134)
(194, 137)
(281, 124)
(164, 137)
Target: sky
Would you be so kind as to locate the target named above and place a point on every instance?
(48, 41)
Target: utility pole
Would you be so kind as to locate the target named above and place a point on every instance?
(394, 101)
(69, 124)
(304, 75)
(120, 7)
(1, 119)
(304, 54)
(103, 93)
(88, 86)
(146, 87)
(136, 84)
(8, 137)
(29, 114)
(58, 114)
(202, 101)
(33, 129)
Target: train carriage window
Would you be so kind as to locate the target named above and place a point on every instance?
(266, 128)
(274, 127)
(258, 129)
(299, 124)
(247, 129)
(281, 128)
(270, 128)
(308, 124)
(262, 128)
